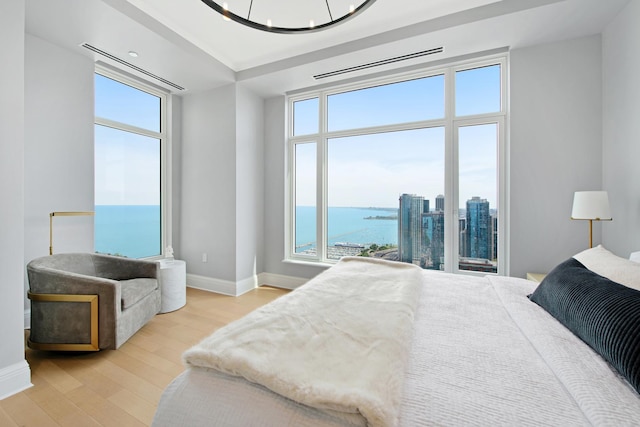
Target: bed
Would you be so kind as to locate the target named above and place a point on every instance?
(445, 350)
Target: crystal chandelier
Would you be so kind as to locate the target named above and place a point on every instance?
(289, 16)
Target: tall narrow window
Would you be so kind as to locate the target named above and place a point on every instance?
(405, 169)
(478, 190)
(128, 168)
(305, 199)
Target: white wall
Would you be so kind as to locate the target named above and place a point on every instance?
(249, 184)
(14, 371)
(58, 168)
(621, 123)
(222, 188)
(209, 183)
(59, 122)
(556, 135)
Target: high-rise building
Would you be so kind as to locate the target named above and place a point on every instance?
(410, 228)
(479, 228)
(463, 249)
(434, 230)
(494, 236)
(440, 202)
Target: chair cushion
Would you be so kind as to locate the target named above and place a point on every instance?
(134, 290)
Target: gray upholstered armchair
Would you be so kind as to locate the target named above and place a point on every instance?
(84, 301)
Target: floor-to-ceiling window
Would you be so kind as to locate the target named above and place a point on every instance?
(407, 168)
(129, 147)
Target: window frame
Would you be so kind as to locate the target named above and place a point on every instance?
(449, 122)
(165, 147)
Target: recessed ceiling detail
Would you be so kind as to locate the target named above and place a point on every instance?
(379, 63)
(130, 65)
(289, 17)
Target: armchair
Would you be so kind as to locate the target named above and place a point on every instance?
(89, 302)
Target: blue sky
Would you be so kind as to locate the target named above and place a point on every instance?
(373, 170)
(364, 171)
(127, 170)
(127, 167)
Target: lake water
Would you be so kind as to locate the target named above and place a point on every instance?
(134, 231)
(347, 225)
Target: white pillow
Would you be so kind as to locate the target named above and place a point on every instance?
(603, 262)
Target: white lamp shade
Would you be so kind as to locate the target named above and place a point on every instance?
(591, 205)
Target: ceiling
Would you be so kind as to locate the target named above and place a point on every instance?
(189, 44)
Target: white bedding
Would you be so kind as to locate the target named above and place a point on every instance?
(310, 345)
(482, 354)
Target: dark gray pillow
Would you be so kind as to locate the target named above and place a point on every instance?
(604, 314)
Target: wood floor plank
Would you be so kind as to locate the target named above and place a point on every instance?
(146, 339)
(151, 359)
(58, 406)
(78, 420)
(5, 419)
(105, 412)
(135, 384)
(122, 388)
(61, 379)
(185, 334)
(173, 354)
(139, 368)
(90, 377)
(134, 405)
(25, 412)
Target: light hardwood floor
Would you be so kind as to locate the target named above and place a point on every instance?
(122, 387)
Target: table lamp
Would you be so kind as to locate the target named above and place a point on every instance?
(592, 206)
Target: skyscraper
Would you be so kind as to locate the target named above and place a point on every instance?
(463, 250)
(410, 228)
(434, 230)
(440, 202)
(494, 237)
(479, 228)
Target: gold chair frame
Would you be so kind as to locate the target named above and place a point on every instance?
(92, 300)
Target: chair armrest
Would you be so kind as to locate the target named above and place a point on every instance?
(50, 281)
(92, 345)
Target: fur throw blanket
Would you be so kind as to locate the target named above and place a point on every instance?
(339, 343)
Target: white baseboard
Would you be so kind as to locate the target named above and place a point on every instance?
(246, 285)
(281, 281)
(14, 379)
(227, 287)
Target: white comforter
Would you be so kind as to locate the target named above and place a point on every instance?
(482, 354)
(338, 343)
(486, 355)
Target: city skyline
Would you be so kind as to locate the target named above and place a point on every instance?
(421, 234)
(420, 231)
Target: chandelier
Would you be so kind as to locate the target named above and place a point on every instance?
(289, 16)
